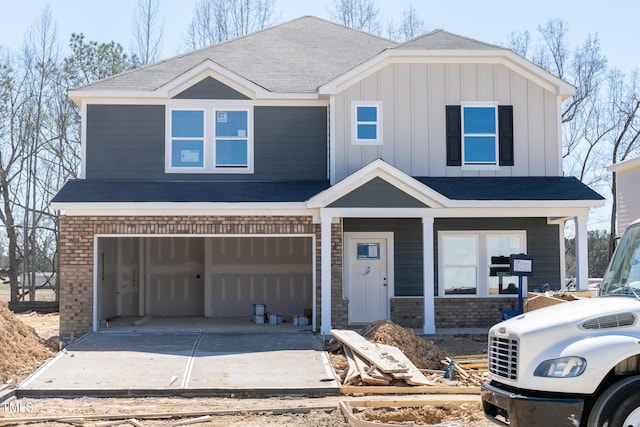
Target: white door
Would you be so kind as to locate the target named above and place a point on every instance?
(367, 278)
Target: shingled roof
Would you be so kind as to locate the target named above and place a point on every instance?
(295, 57)
(441, 39)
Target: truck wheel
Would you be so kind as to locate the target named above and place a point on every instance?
(618, 406)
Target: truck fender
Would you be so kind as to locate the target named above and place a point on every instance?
(603, 353)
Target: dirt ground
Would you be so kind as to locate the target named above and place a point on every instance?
(221, 411)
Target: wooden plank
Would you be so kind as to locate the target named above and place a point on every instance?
(416, 377)
(358, 390)
(369, 351)
(369, 374)
(351, 373)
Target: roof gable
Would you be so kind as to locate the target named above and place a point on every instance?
(377, 193)
(210, 88)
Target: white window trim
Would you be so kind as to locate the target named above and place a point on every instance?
(476, 166)
(209, 161)
(354, 122)
(482, 263)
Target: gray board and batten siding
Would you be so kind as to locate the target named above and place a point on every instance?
(128, 142)
(377, 193)
(210, 88)
(542, 243)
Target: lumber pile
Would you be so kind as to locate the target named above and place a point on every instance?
(376, 364)
(473, 368)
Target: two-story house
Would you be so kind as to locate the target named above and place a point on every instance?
(310, 166)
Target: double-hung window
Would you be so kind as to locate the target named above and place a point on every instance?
(479, 135)
(367, 123)
(209, 140)
(187, 138)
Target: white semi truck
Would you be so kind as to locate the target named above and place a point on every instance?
(572, 364)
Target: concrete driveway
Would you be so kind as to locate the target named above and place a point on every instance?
(180, 363)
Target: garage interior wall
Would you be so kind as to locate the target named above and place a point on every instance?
(203, 276)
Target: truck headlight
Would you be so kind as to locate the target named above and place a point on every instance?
(563, 367)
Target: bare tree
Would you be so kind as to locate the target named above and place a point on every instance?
(361, 15)
(215, 21)
(12, 161)
(40, 60)
(624, 101)
(147, 31)
(411, 25)
(519, 42)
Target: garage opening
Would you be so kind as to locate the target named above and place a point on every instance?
(217, 277)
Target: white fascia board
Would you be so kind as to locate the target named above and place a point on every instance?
(451, 56)
(378, 168)
(468, 212)
(183, 209)
(624, 165)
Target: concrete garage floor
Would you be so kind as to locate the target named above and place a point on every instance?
(257, 360)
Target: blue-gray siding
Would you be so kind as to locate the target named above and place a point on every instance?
(377, 193)
(542, 243)
(127, 142)
(407, 248)
(210, 88)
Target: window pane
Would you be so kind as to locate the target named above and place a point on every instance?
(459, 280)
(231, 124)
(367, 114)
(480, 120)
(459, 250)
(367, 132)
(503, 246)
(479, 149)
(187, 124)
(187, 153)
(231, 152)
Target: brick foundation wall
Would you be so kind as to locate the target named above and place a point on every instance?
(471, 312)
(452, 312)
(77, 240)
(407, 312)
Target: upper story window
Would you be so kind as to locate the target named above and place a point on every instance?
(479, 135)
(367, 123)
(209, 140)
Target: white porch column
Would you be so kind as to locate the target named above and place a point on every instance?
(428, 263)
(325, 274)
(582, 256)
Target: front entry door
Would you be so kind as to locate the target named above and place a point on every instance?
(367, 278)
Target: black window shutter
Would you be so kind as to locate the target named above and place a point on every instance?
(454, 136)
(505, 135)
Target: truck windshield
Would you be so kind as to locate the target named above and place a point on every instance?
(623, 275)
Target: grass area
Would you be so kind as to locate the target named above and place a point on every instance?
(41, 294)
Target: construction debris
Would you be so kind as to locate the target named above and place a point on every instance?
(376, 364)
(422, 353)
(472, 368)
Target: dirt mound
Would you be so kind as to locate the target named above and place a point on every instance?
(422, 353)
(22, 351)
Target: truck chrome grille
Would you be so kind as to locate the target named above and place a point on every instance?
(611, 321)
(503, 357)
